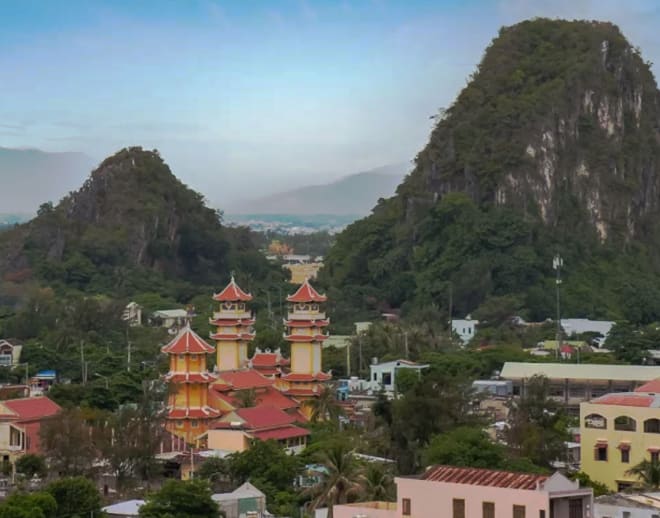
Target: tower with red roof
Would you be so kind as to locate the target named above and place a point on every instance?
(233, 323)
(188, 412)
(305, 326)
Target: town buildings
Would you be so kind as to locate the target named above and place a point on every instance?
(457, 492)
(628, 505)
(464, 328)
(618, 431)
(382, 376)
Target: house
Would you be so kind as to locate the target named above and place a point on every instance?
(10, 352)
(170, 318)
(20, 422)
(618, 431)
(382, 376)
(465, 329)
(125, 509)
(245, 501)
(132, 314)
(460, 492)
(620, 505)
(235, 430)
(573, 383)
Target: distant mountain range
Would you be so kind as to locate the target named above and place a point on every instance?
(30, 177)
(355, 194)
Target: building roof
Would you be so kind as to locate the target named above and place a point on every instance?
(582, 371)
(629, 399)
(241, 379)
(620, 500)
(406, 364)
(232, 293)
(299, 376)
(29, 408)
(268, 358)
(187, 342)
(171, 313)
(286, 432)
(127, 508)
(264, 416)
(205, 412)
(306, 293)
(483, 477)
(247, 490)
(270, 396)
(652, 387)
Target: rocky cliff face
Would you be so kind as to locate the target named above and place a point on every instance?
(558, 112)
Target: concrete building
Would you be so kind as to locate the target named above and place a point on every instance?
(494, 388)
(447, 491)
(573, 383)
(618, 505)
(382, 376)
(10, 352)
(618, 431)
(171, 318)
(244, 502)
(132, 314)
(465, 329)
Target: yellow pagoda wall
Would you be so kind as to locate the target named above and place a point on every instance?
(184, 429)
(231, 355)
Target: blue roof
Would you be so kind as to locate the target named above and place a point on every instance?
(47, 374)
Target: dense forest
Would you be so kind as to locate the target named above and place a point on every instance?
(551, 148)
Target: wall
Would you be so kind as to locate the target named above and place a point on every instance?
(431, 499)
(614, 511)
(375, 510)
(612, 470)
(230, 440)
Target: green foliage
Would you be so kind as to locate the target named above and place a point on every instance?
(35, 505)
(586, 481)
(31, 465)
(648, 474)
(181, 499)
(76, 497)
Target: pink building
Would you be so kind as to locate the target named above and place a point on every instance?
(452, 492)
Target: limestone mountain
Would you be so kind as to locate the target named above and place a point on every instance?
(553, 146)
(130, 227)
(30, 177)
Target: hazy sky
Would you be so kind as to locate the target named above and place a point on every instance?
(248, 96)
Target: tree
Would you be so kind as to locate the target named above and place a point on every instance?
(246, 398)
(648, 473)
(35, 505)
(31, 465)
(181, 499)
(213, 470)
(341, 483)
(76, 497)
(324, 406)
(67, 444)
(377, 484)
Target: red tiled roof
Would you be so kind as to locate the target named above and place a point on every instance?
(273, 397)
(243, 379)
(305, 338)
(639, 400)
(306, 294)
(319, 376)
(232, 293)
(187, 342)
(192, 413)
(268, 359)
(287, 432)
(232, 321)
(231, 336)
(483, 477)
(652, 386)
(189, 377)
(566, 349)
(31, 408)
(294, 392)
(307, 323)
(264, 416)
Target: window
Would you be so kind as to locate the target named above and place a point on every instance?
(600, 452)
(518, 511)
(179, 424)
(194, 423)
(626, 514)
(458, 507)
(542, 513)
(575, 508)
(488, 509)
(654, 456)
(405, 507)
(387, 378)
(623, 486)
(595, 421)
(625, 455)
(652, 426)
(625, 423)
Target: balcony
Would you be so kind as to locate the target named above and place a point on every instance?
(240, 314)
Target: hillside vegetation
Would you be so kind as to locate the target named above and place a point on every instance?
(552, 147)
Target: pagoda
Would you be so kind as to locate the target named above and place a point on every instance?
(233, 322)
(188, 412)
(304, 331)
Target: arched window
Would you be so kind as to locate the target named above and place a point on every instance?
(625, 423)
(652, 426)
(595, 421)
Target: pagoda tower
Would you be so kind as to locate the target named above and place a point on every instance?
(188, 412)
(233, 322)
(304, 330)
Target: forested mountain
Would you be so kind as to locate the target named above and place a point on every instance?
(552, 147)
(30, 177)
(132, 227)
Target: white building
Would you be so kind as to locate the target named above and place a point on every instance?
(124, 509)
(245, 501)
(577, 326)
(171, 318)
(465, 329)
(382, 376)
(641, 505)
(132, 314)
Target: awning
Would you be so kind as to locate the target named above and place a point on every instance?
(654, 449)
(601, 442)
(624, 446)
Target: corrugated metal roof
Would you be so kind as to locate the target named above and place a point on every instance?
(629, 399)
(483, 477)
(522, 370)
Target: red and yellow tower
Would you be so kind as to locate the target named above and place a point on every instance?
(188, 412)
(304, 330)
(233, 322)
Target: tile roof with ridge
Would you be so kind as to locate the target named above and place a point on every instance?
(483, 477)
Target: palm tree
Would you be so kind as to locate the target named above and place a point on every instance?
(247, 398)
(377, 484)
(341, 482)
(324, 407)
(648, 473)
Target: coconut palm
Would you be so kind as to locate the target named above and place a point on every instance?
(648, 473)
(341, 482)
(377, 483)
(324, 407)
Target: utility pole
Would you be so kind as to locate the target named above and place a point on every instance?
(557, 264)
(348, 358)
(360, 353)
(451, 311)
(82, 361)
(405, 343)
(128, 352)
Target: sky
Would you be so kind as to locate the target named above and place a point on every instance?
(247, 97)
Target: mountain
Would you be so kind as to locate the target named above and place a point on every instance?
(352, 195)
(552, 147)
(31, 177)
(132, 226)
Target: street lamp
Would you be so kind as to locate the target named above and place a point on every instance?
(557, 264)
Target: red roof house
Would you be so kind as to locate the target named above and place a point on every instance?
(306, 293)
(25, 415)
